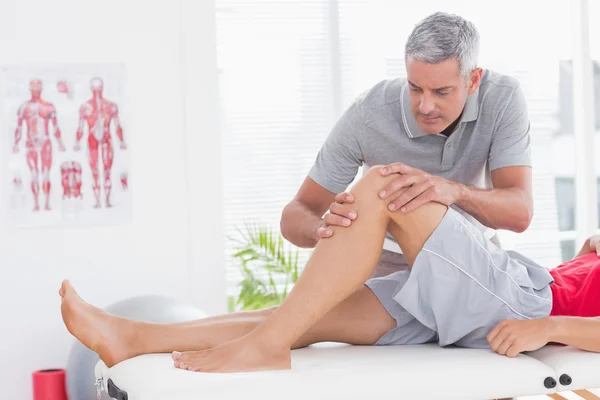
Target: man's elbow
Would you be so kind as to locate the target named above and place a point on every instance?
(287, 221)
(523, 222)
(283, 222)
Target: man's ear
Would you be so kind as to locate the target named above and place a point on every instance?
(475, 80)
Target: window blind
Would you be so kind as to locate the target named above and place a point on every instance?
(276, 95)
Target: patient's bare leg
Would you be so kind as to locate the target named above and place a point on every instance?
(359, 318)
(337, 268)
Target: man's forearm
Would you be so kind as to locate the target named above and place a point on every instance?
(580, 332)
(501, 208)
(299, 225)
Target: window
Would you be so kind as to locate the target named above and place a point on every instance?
(275, 69)
(566, 96)
(565, 200)
(565, 147)
(289, 68)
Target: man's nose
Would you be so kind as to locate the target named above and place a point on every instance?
(426, 106)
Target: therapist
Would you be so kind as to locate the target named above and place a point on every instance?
(459, 134)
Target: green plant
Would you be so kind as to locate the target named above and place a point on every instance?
(262, 251)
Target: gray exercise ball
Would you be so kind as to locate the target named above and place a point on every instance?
(156, 309)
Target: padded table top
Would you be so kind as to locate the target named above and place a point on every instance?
(333, 370)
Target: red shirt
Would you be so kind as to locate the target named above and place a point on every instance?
(576, 287)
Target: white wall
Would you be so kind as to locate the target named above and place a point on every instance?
(155, 253)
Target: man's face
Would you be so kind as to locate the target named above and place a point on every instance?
(438, 92)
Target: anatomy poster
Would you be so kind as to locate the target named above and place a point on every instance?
(65, 145)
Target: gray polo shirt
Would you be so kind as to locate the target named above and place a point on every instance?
(380, 128)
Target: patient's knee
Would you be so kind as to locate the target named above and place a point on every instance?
(371, 183)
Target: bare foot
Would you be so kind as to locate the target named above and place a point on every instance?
(107, 335)
(246, 354)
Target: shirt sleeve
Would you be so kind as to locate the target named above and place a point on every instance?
(340, 157)
(511, 142)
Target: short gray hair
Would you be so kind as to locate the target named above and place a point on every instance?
(442, 36)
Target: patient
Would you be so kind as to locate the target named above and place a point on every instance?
(461, 290)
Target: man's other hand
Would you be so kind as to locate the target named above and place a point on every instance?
(414, 188)
(340, 213)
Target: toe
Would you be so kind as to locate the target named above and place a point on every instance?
(180, 365)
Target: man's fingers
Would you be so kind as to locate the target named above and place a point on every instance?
(395, 169)
(399, 183)
(332, 219)
(343, 211)
(344, 197)
(424, 197)
(408, 195)
(324, 232)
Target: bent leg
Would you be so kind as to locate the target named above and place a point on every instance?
(342, 263)
(337, 268)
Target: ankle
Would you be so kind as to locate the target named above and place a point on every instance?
(268, 341)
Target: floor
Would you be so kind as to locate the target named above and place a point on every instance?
(566, 395)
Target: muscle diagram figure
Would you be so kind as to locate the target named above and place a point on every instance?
(37, 115)
(98, 113)
(71, 180)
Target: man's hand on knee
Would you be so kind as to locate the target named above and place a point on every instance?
(340, 213)
(414, 188)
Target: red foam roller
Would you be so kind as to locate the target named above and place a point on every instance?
(49, 384)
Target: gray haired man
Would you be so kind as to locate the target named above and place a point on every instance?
(459, 136)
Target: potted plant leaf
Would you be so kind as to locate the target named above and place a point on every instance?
(269, 267)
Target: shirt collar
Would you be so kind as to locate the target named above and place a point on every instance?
(470, 112)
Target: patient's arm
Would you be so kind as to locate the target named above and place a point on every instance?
(580, 332)
(592, 245)
(512, 337)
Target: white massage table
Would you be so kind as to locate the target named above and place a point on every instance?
(338, 371)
